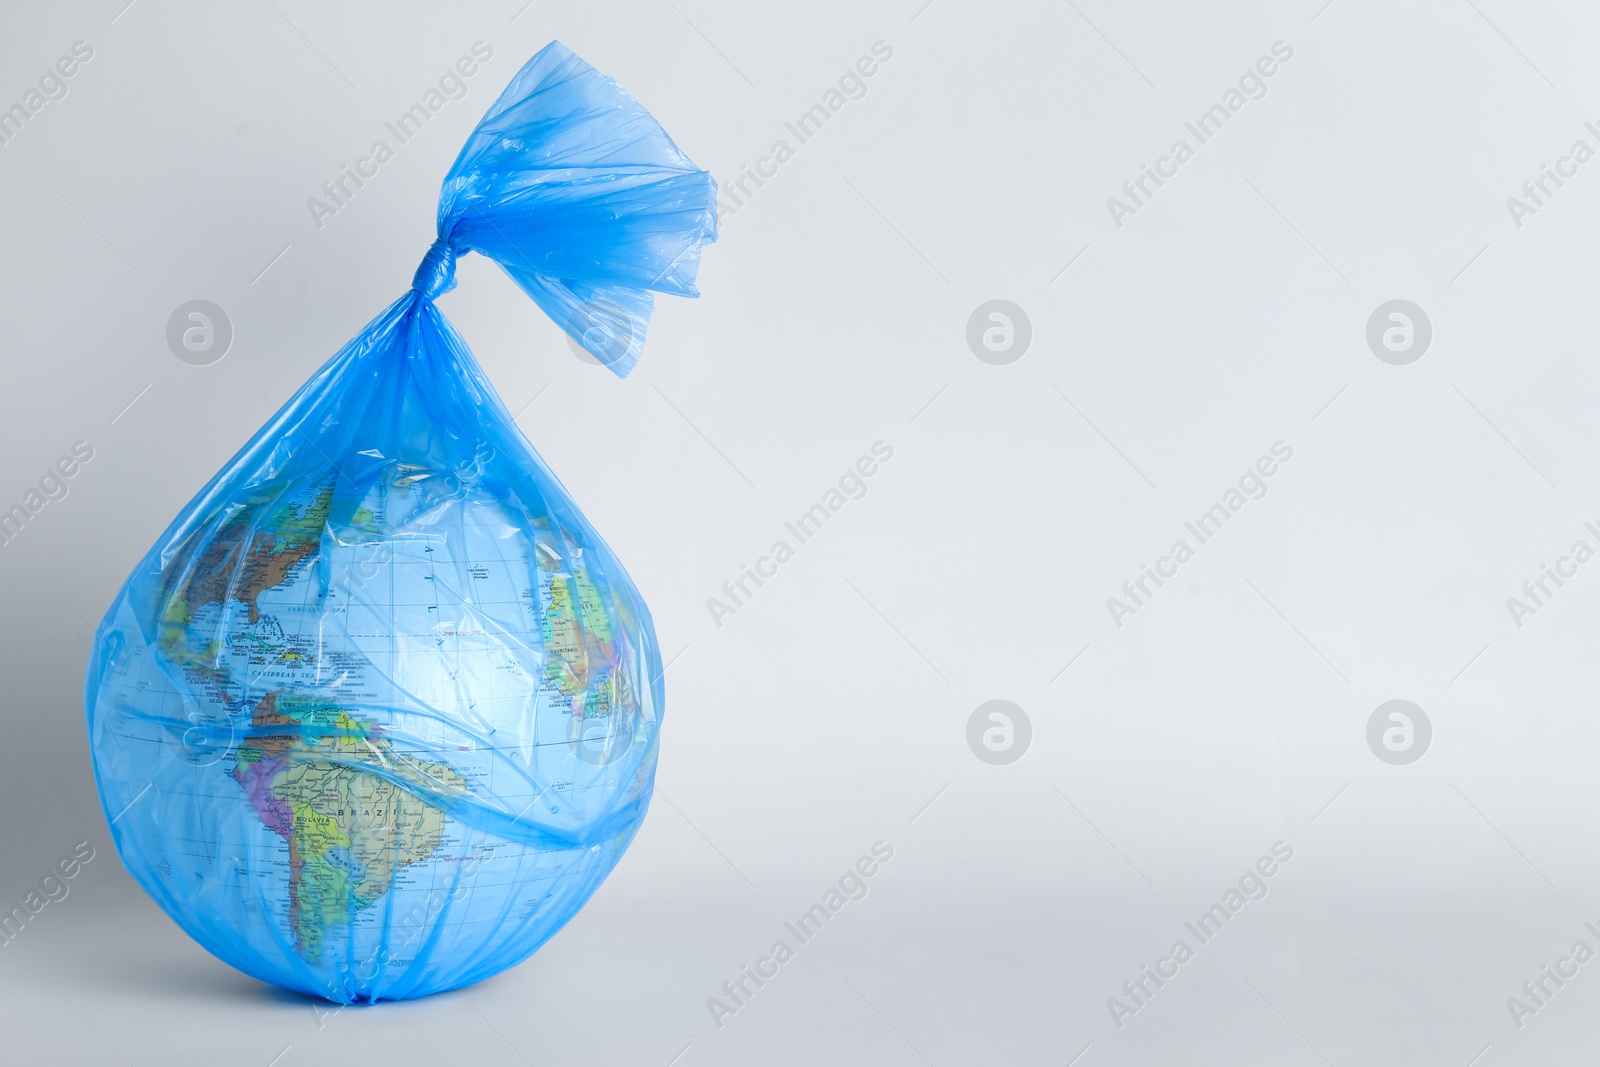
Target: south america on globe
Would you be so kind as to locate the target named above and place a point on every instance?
(379, 711)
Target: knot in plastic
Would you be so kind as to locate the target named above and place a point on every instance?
(437, 272)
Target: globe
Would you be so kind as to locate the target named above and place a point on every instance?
(378, 713)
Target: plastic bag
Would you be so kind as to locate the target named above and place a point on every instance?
(378, 711)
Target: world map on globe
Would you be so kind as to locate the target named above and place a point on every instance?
(379, 711)
(395, 680)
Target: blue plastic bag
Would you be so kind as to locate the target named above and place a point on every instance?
(378, 711)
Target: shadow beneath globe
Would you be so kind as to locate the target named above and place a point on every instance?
(122, 946)
(116, 944)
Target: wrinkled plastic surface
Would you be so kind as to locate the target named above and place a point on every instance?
(379, 710)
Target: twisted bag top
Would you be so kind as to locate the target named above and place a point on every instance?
(580, 196)
(379, 710)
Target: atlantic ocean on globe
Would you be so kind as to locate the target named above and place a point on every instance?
(379, 710)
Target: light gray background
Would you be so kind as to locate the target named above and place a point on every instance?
(1229, 713)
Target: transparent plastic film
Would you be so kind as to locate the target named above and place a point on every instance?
(378, 712)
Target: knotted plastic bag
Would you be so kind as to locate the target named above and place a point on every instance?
(378, 711)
